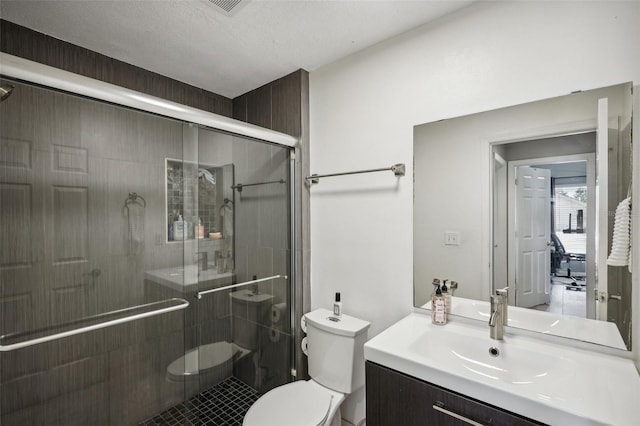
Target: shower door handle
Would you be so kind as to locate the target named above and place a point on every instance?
(227, 287)
(175, 305)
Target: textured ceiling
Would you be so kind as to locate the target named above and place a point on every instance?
(191, 41)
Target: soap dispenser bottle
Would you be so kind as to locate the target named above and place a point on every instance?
(438, 310)
(435, 283)
(447, 297)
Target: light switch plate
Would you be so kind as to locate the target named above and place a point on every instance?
(451, 238)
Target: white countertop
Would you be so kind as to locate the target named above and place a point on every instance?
(544, 381)
(583, 329)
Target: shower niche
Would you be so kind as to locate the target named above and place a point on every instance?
(199, 201)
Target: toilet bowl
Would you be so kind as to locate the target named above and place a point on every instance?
(336, 368)
(301, 403)
(204, 359)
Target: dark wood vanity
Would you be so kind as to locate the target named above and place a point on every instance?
(394, 398)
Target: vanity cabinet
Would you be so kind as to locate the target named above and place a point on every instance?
(394, 398)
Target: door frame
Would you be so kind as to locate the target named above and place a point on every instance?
(499, 222)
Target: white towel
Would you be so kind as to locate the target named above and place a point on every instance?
(620, 254)
(630, 233)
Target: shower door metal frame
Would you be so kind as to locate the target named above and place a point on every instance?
(24, 70)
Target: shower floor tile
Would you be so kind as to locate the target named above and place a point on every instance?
(225, 404)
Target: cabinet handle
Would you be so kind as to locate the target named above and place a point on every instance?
(439, 406)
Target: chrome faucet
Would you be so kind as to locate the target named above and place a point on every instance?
(496, 320)
(504, 292)
(203, 261)
(453, 286)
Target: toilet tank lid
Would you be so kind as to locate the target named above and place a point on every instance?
(345, 325)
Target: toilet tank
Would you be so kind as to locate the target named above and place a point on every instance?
(248, 311)
(336, 350)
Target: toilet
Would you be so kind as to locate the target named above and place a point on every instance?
(210, 358)
(336, 367)
(204, 359)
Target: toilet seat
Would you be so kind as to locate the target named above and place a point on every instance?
(301, 403)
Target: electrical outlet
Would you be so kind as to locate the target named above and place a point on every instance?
(451, 238)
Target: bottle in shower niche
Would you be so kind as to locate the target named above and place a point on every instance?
(199, 228)
(337, 306)
(179, 228)
(447, 297)
(438, 310)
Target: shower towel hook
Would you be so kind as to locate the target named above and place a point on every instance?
(133, 198)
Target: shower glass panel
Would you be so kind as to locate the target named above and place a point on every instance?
(255, 226)
(86, 205)
(238, 332)
(81, 195)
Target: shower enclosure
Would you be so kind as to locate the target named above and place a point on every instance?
(145, 263)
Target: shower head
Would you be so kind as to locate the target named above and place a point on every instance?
(5, 91)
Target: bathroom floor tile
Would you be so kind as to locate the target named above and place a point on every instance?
(225, 404)
(568, 297)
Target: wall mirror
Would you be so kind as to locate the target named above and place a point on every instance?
(525, 197)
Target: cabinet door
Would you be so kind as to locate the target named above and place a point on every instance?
(394, 399)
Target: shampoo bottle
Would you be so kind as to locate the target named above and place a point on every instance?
(337, 306)
(178, 229)
(447, 297)
(438, 312)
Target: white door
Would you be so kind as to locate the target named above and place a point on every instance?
(533, 229)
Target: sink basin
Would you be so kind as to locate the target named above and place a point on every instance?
(183, 278)
(463, 351)
(548, 382)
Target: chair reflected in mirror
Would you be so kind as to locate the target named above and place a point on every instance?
(568, 280)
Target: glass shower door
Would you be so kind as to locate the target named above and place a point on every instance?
(243, 328)
(85, 327)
